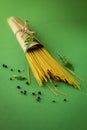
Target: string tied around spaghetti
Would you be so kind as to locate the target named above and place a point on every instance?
(25, 29)
(30, 40)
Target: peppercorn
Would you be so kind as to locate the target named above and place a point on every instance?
(11, 79)
(11, 69)
(39, 92)
(33, 93)
(19, 71)
(27, 83)
(21, 92)
(53, 101)
(38, 97)
(3, 65)
(25, 92)
(18, 87)
(65, 99)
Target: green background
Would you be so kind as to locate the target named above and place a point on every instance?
(61, 26)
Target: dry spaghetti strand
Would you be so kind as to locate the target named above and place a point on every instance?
(45, 66)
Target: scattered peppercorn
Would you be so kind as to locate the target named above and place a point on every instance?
(21, 92)
(65, 99)
(18, 87)
(38, 97)
(33, 93)
(53, 101)
(27, 83)
(11, 79)
(39, 92)
(11, 69)
(25, 92)
(19, 71)
(3, 65)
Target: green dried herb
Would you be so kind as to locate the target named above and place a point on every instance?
(29, 40)
(19, 77)
(28, 70)
(66, 63)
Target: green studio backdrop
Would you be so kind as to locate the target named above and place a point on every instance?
(61, 26)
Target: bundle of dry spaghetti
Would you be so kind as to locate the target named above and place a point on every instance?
(43, 65)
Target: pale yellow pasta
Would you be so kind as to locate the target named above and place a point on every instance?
(45, 66)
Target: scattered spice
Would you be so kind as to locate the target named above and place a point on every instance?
(65, 99)
(19, 77)
(66, 62)
(38, 97)
(33, 93)
(25, 92)
(18, 87)
(21, 92)
(11, 79)
(53, 101)
(19, 70)
(39, 92)
(4, 65)
(27, 83)
(11, 69)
